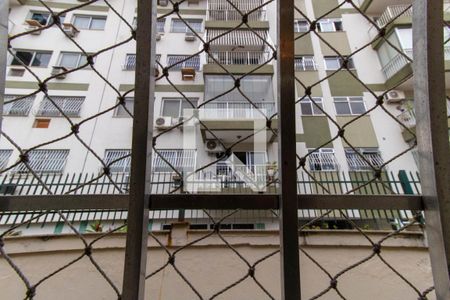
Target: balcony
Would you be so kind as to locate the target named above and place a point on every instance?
(232, 110)
(391, 13)
(239, 57)
(219, 10)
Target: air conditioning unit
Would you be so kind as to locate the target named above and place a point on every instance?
(58, 70)
(213, 146)
(190, 37)
(71, 30)
(33, 25)
(394, 96)
(163, 2)
(163, 122)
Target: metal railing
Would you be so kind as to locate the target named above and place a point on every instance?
(239, 57)
(305, 64)
(236, 110)
(392, 12)
(397, 63)
(233, 15)
(364, 161)
(322, 162)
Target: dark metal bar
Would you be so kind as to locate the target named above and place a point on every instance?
(137, 233)
(289, 244)
(208, 201)
(432, 135)
(4, 11)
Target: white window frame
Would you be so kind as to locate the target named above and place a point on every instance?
(331, 22)
(192, 22)
(79, 59)
(123, 163)
(23, 106)
(301, 28)
(314, 110)
(34, 52)
(180, 104)
(305, 63)
(338, 59)
(91, 17)
(160, 25)
(121, 113)
(349, 100)
(45, 161)
(47, 109)
(322, 160)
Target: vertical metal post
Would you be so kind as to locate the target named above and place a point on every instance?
(290, 268)
(4, 11)
(137, 233)
(432, 135)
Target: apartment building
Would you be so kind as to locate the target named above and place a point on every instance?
(228, 117)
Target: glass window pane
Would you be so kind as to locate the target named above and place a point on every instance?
(69, 60)
(23, 56)
(326, 26)
(81, 22)
(316, 109)
(332, 63)
(357, 107)
(171, 108)
(306, 108)
(342, 108)
(41, 59)
(98, 23)
(40, 17)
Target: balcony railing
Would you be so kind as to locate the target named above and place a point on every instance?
(237, 110)
(357, 163)
(396, 63)
(408, 118)
(233, 15)
(392, 12)
(322, 162)
(239, 57)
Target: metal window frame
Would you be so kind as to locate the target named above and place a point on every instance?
(432, 135)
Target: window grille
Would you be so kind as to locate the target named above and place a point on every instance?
(119, 161)
(180, 27)
(130, 62)
(44, 161)
(177, 63)
(238, 37)
(372, 159)
(322, 160)
(4, 157)
(70, 106)
(179, 159)
(17, 108)
(305, 63)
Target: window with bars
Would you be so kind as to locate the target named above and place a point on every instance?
(71, 60)
(180, 159)
(371, 156)
(322, 160)
(89, 22)
(119, 160)
(308, 108)
(179, 26)
(174, 60)
(329, 25)
(5, 154)
(31, 58)
(130, 62)
(70, 106)
(301, 26)
(129, 105)
(172, 107)
(20, 107)
(349, 105)
(305, 63)
(336, 62)
(45, 161)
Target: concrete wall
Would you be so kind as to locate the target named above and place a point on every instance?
(210, 265)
